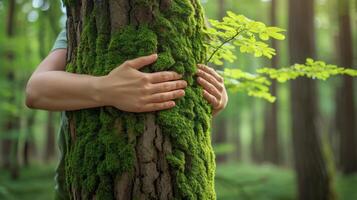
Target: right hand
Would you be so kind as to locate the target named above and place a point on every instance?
(131, 90)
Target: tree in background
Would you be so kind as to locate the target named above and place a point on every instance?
(345, 114)
(11, 124)
(117, 155)
(220, 124)
(270, 134)
(312, 177)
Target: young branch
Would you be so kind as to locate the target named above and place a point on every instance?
(223, 43)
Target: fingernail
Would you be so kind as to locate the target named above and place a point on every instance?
(155, 55)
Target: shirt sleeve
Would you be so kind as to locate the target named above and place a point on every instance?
(61, 41)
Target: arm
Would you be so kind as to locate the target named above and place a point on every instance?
(126, 88)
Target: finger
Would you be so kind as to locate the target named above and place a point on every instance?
(168, 86)
(159, 77)
(166, 96)
(211, 99)
(158, 106)
(212, 72)
(208, 77)
(209, 87)
(140, 62)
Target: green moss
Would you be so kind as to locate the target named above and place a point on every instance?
(164, 61)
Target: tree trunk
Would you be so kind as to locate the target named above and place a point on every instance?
(220, 124)
(312, 176)
(255, 142)
(112, 154)
(219, 136)
(50, 140)
(9, 146)
(345, 114)
(270, 134)
(29, 146)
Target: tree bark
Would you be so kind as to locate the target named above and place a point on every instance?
(312, 176)
(345, 112)
(270, 134)
(111, 154)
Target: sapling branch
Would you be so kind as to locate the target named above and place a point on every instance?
(239, 31)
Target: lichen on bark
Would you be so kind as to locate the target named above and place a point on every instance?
(113, 154)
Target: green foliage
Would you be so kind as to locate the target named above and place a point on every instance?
(239, 31)
(251, 36)
(257, 84)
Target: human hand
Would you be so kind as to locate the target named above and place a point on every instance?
(131, 90)
(213, 87)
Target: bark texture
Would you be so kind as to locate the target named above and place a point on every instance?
(110, 154)
(312, 176)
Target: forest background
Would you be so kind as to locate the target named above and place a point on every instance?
(253, 139)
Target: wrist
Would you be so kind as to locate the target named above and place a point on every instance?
(98, 90)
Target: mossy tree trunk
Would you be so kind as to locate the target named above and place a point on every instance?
(110, 154)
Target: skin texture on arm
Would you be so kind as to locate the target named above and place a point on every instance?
(126, 88)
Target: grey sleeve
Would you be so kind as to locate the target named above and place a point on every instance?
(61, 41)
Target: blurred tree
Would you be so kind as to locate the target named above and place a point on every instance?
(270, 134)
(50, 150)
(312, 176)
(117, 155)
(11, 124)
(255, 150)
(345, 114)
(29, 146)
(220, 124)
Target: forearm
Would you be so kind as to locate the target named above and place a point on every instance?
(59, 90)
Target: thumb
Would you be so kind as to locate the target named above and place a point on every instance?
(141, 62)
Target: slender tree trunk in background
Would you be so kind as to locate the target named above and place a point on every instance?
(254, 146)
(219, 136)
(50, 140)
(270, 134)
(9, 146)
(237, 139)
(220, 124)
(345, 114)
(6, 143)
(29, 147)
(312, 176)
(118, 155)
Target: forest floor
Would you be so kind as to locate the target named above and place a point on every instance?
(233, 181)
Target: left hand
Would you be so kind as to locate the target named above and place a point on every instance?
(213, 87)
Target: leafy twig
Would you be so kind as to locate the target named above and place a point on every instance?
(223, 43)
